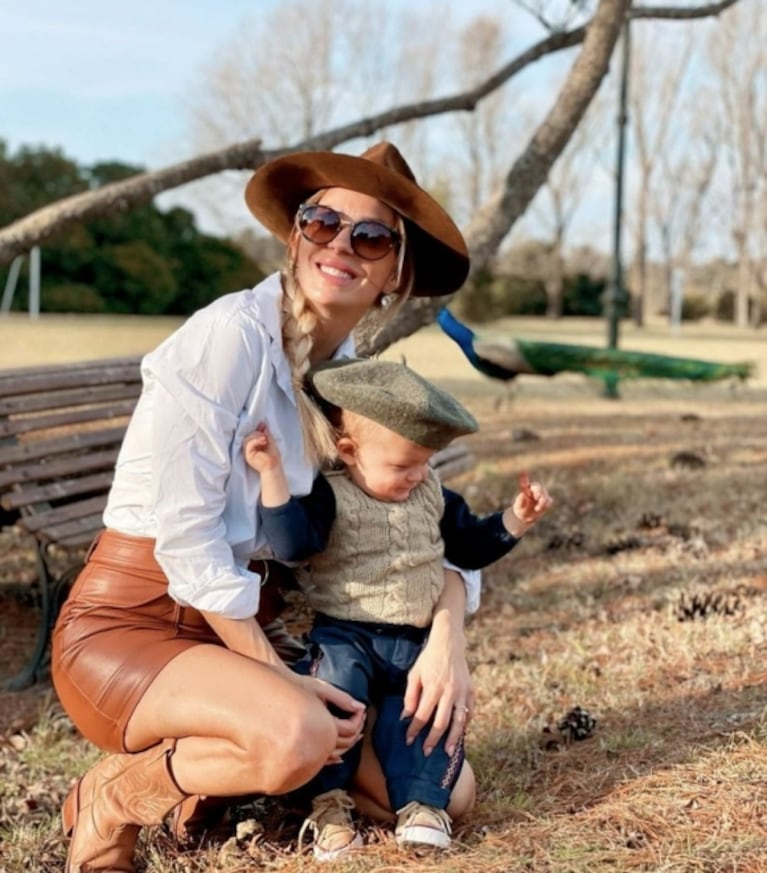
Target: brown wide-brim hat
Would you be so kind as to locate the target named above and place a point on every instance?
(440, 257)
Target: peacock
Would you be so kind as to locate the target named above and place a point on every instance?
(506, 358)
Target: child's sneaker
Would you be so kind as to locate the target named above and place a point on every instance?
(419, 824)
(331, 823)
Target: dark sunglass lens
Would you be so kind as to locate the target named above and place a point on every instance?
(372, 240)
(319, 224)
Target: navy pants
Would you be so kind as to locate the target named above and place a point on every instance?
(371, 662)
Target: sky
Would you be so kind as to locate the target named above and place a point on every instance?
(104, 79)
(107, 80)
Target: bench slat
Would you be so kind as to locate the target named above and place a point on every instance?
(79, 540)
(57, 490)
(452, 460)
(85, 527)
(16, 426)
(21, 404)
(67, 466)
(78, 509)
(16, 453)
(455, 467)
(72, 366)
(44, 379)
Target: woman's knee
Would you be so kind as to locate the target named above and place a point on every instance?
(298, 750)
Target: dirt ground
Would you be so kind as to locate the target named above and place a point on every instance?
(18, 710)
(19, 620)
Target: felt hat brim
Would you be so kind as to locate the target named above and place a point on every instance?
(440, 257)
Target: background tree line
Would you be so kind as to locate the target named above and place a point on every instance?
(146, 260)
(155, 261)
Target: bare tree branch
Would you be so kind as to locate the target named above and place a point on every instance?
(682, 13)
(21, 235)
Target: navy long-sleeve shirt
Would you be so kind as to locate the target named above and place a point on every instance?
(300, 528)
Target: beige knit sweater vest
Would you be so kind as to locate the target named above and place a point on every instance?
(383, 562)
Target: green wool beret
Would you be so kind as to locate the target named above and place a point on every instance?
(394, 396)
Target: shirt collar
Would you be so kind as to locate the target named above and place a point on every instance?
(269, 297)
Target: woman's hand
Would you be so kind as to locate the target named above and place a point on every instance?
(349, 730)
(439, 683)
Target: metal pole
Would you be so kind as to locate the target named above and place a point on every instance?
(34, 282)
(10, 284)
(615, 294)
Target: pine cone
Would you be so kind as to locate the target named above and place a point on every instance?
(577, 725)
(702, 605)
(624, 545)
(573, 540)
(688, 460)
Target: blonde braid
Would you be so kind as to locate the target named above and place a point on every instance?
(298, 324)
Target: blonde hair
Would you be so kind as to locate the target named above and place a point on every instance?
(298, 324)
(299, 321)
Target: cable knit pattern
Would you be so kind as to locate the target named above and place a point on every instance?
(383, 562)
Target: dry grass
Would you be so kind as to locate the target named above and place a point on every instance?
(586, 612)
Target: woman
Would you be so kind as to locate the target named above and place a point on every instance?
(158, 646)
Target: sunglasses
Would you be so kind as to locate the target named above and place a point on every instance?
(370, 239)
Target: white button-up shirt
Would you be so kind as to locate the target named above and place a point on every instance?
(181, 477)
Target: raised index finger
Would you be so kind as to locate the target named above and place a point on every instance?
(524, 486)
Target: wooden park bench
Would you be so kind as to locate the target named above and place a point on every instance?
(61, 427)
(60, 430)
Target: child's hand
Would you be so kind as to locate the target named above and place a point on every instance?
(529, 505)
(261, 451)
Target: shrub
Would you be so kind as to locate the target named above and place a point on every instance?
(520, 295)
(725, 306)
(583, 295)
(477, 302)
(724, 310)
(71, 297)
(695, 307)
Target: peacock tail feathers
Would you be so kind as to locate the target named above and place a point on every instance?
(547, 359)
(502, 358)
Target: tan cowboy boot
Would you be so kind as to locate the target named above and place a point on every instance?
(106, 809)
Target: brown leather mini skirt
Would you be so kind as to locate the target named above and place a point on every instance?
(116, 631)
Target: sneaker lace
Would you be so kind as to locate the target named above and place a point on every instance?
(414, 809)
(331, 808)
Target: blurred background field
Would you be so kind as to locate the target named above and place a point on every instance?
(54, 339)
